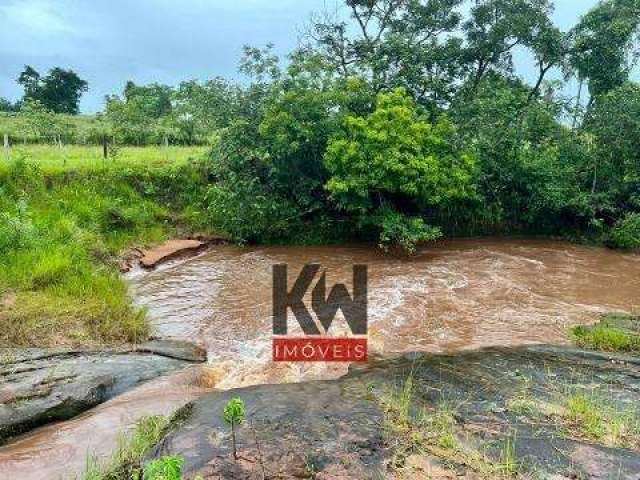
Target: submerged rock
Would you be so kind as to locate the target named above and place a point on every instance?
(507, 409)
(177, 349)
(170, 250)
(39, 386)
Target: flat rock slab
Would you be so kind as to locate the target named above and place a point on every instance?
(39, 386)
(336, 429)
(169, 250)
(177, 349)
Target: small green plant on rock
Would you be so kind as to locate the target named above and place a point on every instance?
(597, 417)
(509, 464)
(413, 428)
(234, 413)
(126, 462)
(606, 338)
(165, 468)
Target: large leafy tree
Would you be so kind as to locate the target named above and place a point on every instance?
(153, 100)
(496, 27)
(6, 105)
(59, 91)
(30, 80)
(394, 43)
(39, 122)
(393, 162)
(201, 108)
(137, 116)
(604, 41)
(615, 124)
(528, 163)
(430, 48)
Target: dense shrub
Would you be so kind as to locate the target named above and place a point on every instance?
(626, 233)
(403, 232)
(243, 208)
(392, 163)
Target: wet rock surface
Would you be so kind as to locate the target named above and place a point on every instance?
(39, 386)
(176, 349)
(503, 400)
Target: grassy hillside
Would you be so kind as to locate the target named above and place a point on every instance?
(61, 231)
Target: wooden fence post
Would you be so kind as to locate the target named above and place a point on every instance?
(105, 147)
(7, 147)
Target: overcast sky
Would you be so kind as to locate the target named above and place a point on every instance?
(111, 41)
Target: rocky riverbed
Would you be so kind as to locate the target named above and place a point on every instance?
(496, 413)
(40, 386)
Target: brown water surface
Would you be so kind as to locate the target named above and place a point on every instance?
(456, 295)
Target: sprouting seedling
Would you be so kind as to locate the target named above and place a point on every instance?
(234, 415)
(165, 468)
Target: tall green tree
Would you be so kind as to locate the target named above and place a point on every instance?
(496, 27)
(529, 164)
(39, 122)
(394, 43)
(388, 167)
(153, 100)
(59, 91)
(30, 80)
(7, 106)
(604, 42)
(139, 116)
(615, 124)
(201, 108)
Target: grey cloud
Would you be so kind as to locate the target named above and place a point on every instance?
(111, 41)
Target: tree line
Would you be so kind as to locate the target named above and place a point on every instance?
(401, 121)
(406, 120)
(189, 114)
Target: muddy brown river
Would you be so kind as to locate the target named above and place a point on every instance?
(454, 296)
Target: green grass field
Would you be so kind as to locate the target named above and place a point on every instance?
(53, 159)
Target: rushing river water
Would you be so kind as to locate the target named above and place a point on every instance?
(456, 295)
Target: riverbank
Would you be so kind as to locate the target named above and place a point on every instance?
(43, 386)
(494, 414)
(61, 237)
(537, 412)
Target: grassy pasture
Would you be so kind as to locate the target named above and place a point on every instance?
(53, 159)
